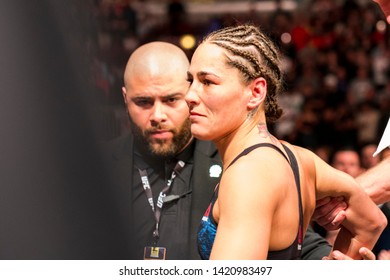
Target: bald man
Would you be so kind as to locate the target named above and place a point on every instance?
(164, 177)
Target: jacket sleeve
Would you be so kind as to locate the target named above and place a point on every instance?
(314, 246)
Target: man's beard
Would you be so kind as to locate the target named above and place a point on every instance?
(163, 147)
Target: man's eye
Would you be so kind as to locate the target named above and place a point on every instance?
(143, 103)
(172, 100)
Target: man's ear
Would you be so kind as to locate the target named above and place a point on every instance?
(124, 94)
(259, 91)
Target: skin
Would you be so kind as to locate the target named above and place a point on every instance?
(155, 86)
(376, 181)
(364, 252)
(220, 103)
(385, 6)
(330, 212)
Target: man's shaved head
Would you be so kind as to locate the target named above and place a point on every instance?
(154, 59)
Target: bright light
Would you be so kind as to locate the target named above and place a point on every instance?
(285, 38)
(187, 41)
(381, 26)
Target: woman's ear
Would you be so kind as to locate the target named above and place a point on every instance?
(259, 91)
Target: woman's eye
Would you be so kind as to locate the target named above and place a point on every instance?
(207, 82)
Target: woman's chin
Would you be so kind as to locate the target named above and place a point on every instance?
(200, 135)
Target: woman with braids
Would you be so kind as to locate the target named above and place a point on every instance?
(266, 196)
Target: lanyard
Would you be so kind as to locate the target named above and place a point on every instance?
(160, 202)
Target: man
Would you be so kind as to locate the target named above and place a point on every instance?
(155, 86)
(347, 160)
(366, 152)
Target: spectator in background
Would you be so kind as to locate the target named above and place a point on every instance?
(347, 159)
(366, 155)
(361, 86)
(367, 118)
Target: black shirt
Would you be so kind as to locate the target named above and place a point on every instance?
(174, 226)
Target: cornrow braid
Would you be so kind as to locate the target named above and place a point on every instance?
(251, 42)
(254, 55)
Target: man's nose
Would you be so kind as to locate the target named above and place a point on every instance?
(158, 115)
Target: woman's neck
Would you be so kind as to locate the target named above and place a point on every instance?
(246, 135)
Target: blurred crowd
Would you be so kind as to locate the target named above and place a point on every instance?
(336, 63)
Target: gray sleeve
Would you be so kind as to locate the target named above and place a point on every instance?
(314, 246)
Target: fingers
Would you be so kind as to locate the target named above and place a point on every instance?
(365, 253)
(384, 255)
(323, 201)
(329, 212)
(340, 217)
(337, 255)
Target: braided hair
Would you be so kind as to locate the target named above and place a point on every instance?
(254, 55)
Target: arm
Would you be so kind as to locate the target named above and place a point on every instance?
(315, 247)
(364, 221)
(376, 181)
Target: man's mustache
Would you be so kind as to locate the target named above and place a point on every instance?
(157, 129)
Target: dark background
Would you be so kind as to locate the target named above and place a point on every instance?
(55, 201)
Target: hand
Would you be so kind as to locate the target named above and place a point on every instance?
(329, 212)
(384, 255)
(364, 252)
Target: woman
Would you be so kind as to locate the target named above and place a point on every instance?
(267, 194)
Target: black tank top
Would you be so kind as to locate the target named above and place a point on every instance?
(208, 226)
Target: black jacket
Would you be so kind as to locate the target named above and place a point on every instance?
(119, 157)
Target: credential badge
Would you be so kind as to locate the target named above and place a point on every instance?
(215, 171)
